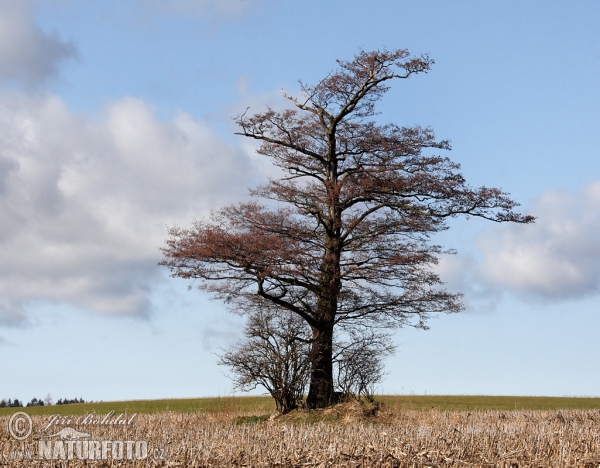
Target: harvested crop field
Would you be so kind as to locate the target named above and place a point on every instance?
(340, 437)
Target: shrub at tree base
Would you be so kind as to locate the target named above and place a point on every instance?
(275, 353)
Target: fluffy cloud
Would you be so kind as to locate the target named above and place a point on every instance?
(461, 274)
(84, 202)
(558, 257)
(28, 54)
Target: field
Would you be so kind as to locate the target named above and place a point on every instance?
(407, 431)
(261, 404)
(264, 404)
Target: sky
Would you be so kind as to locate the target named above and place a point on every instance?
(116, 123)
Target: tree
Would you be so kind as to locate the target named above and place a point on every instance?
(348, 237)
(358, 362)
(35, 402)
(274, 354)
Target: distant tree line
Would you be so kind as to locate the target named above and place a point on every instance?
(65, 401)
(11, 403)
(35, 402)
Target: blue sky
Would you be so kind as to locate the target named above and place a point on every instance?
(116, 122)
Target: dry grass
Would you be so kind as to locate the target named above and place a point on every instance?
(346, 437)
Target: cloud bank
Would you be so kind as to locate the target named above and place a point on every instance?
(557, 258)
(28, 55)
(85, 201)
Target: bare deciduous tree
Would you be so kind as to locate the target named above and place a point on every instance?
(274, 353)
(358, 362)
(350, 239)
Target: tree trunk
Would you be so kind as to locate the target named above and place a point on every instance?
(320, 393)
(285, 401)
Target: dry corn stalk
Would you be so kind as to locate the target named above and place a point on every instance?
(568, 438)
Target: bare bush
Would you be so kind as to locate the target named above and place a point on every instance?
(359, 362)
(274, 354)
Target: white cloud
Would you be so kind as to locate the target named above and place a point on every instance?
(460, 274)
(558, 257)
(84, 202)
(27, 54)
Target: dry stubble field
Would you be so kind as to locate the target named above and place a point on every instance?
(339, 437)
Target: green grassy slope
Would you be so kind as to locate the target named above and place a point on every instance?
(480, 402)
(264, 404)
(188, 405)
